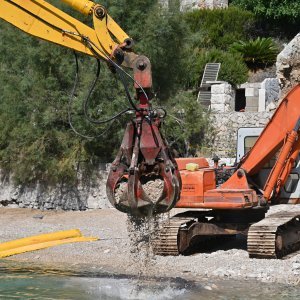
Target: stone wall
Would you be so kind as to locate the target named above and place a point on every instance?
(196, 4)
(288, 65)
(212, 3)
(224, 136)
(222, 97)
(260, 97)
(86, 195)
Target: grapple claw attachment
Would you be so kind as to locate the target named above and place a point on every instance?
(144, 178)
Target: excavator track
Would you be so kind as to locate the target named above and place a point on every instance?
(182, 232)
(275, 236)
(165, 241)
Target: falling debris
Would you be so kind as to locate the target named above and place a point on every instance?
(121, 192)
(154, 189)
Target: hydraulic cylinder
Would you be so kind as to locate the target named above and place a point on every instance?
(83, 6)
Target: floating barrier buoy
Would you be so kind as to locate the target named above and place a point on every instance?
(42, 241)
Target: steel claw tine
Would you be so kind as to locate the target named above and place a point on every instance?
(114, 177)
(132, 188)
(170, 186)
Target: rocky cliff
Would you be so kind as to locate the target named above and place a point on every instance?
(288, 65)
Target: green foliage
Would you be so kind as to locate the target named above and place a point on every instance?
(274, 9)
(186, 123)
(233, 69)
(257, 54)
(278, 18)
(36, 141)
(219, 28)
(130, 14)
(164, 36)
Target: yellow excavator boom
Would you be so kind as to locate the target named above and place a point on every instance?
(144, 151)
(43, 20)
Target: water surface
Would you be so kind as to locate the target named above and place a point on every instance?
(19, 282)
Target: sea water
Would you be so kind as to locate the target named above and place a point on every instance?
(17, 282)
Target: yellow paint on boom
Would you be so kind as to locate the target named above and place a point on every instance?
(83, 6)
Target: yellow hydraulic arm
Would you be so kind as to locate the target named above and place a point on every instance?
(144, 153)
(39, 18)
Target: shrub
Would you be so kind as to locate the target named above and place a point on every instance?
(186, 123)
(257, 54)
(233, 69)
(219, 28)
(278, 18)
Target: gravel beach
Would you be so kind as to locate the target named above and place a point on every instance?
(118, 252)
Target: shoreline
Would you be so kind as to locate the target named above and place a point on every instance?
(116, 253)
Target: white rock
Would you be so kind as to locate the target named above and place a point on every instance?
(288, 64)
(296, 268)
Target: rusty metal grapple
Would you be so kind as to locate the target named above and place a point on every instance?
(144, 178)
(144, 158)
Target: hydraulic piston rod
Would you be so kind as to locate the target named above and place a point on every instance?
(83, 6)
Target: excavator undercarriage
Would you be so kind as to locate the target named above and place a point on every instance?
(239, 205)
(273, 236)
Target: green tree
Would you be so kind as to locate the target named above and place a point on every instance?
(131, 14)
(36, 141)
(275, 9)
(186, 124)
(164, 42)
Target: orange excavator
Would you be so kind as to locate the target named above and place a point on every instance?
(238, 205)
